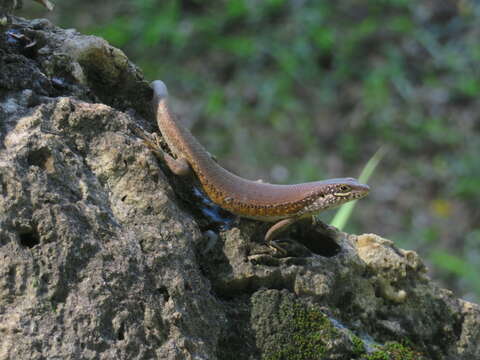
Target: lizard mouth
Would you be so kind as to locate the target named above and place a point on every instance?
(347, 194)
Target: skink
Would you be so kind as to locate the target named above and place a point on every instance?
(282, 204)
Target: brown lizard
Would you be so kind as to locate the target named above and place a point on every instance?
(281, 204)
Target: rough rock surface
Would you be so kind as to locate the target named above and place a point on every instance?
(101, 260)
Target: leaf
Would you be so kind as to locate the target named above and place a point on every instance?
(46, 3)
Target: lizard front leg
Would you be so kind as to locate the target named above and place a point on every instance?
(276, 229)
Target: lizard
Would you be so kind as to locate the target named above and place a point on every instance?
(280, 204)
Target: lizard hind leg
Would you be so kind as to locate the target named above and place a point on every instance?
(178, 166)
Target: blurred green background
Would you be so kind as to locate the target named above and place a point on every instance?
(292, 90)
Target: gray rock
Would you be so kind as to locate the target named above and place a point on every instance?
(101, 259)
(6, 8)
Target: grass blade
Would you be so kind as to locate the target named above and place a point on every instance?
(343, 214)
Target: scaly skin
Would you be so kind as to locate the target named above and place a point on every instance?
(283, 204)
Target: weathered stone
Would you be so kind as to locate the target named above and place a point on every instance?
(100, 259)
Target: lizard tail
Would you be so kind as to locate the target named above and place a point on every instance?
(159, 89)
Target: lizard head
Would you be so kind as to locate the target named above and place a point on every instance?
(335, 192)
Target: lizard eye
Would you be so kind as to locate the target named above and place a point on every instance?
(344, 188)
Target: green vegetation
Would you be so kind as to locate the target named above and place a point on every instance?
(345, 211)
(310, 331)
(395, 351)
(310, 335)
(358, 347)
(292, 91)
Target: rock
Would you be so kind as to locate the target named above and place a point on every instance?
(101, 259)
(7, 6)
